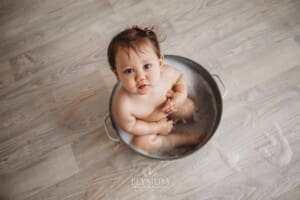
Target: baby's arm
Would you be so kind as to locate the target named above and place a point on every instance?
(140, 127)
(179, 91)
(177, 96)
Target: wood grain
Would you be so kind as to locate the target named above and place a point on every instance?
(55, 85)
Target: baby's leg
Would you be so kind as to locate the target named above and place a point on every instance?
(186, 111)
(152, 143)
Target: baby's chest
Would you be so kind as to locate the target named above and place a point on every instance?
(150, 109)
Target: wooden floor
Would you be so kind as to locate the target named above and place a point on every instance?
(55, 85)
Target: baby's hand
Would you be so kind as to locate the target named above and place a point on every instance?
(170, 94)
(165, 126)
(169, 106)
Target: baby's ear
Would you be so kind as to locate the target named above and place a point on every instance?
(116, 73)
(161, 61)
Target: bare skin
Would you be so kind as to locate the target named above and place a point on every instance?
(150, 92)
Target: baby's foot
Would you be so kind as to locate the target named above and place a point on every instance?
(197, 137)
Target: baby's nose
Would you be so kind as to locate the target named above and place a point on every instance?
(140, 76)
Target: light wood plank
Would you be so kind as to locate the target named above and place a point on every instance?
(38, 29)
(41, 174)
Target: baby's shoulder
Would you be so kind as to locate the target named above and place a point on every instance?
(122, 108)
(121, 100)
(169, 68)
(171, 71)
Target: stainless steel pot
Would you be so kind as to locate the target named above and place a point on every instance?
(206, 94)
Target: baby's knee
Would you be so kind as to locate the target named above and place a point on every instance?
(187, 111)
(149, 143)
(190, 105)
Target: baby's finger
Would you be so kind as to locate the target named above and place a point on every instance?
(169, 110)
(166, 106)
(174, 107)
(166, 111)
(171, 106)
(169, 93)
(173, 110)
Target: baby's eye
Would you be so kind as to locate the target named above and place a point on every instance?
(147, 66)
(128, 71)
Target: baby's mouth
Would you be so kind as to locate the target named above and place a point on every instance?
(142, 86)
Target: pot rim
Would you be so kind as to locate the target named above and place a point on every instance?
(219, 107)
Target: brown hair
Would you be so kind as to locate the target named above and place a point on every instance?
(131, 38)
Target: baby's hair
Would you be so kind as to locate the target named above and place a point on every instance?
(132, 38)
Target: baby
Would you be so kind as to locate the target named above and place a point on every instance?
(151, 95)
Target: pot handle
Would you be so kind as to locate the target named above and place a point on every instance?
(107, 128)
(216, 76)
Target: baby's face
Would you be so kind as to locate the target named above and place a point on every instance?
(138, 71)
